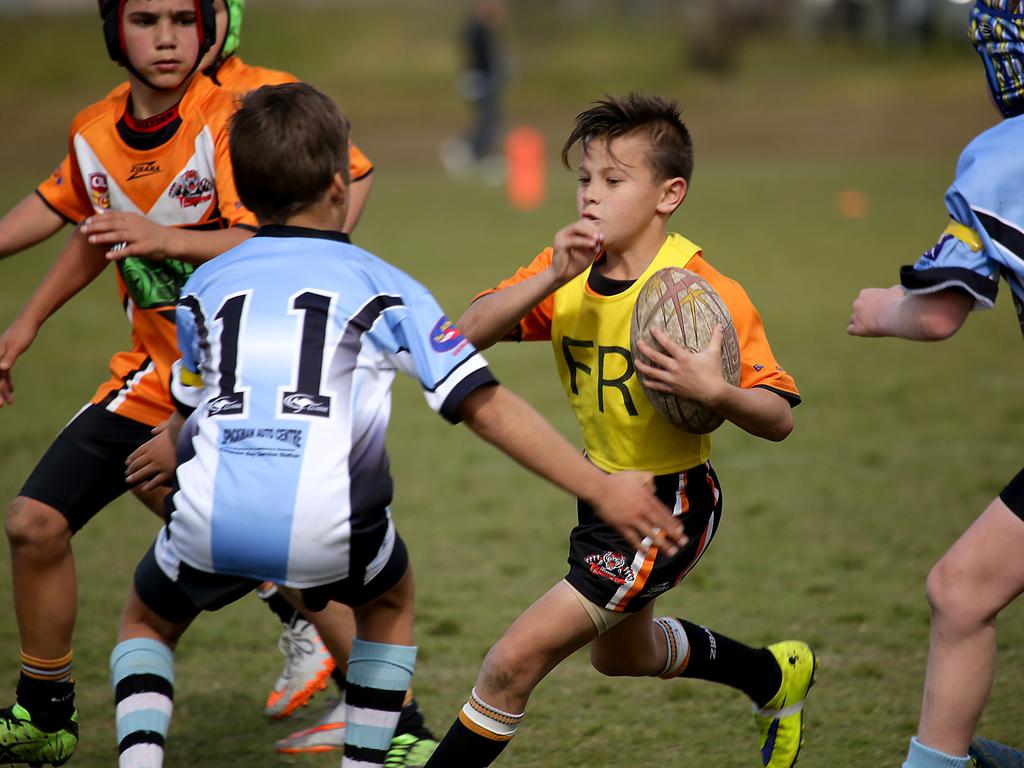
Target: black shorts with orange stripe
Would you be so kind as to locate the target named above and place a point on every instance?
(606, 570)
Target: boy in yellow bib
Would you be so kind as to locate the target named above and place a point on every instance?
(634, 173)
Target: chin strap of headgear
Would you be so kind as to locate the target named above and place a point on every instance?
(997, 32)
(112, 13)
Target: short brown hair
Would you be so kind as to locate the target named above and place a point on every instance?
(660, 121)
(286, 143)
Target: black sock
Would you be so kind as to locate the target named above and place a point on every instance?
(284, 610)
(721, 659)
(339, 679)
(464, 748)
(51, 704)
(411, 721)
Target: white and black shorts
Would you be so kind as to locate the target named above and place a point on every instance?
(194, 591)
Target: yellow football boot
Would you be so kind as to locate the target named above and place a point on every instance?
(780, 723)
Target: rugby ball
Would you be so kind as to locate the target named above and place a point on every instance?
(686, 308)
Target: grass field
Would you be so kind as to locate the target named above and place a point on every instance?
(826, 537)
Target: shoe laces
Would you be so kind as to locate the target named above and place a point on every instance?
(295, 643)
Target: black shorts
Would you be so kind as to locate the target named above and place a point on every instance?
(83, 470)
(1013, 495)
(194, 591)
(606, 570)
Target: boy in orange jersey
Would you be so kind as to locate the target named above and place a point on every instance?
(225, 68)
(156, 156)
(308, 664)
(635, 170)
(33, 220)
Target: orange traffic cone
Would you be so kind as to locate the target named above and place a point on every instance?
(527, 173)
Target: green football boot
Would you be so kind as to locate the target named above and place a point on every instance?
(409, 751)
(21, 741)
(780, 723)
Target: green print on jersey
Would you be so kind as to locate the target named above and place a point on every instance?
(154, 284)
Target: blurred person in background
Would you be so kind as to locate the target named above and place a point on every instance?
(482, 82)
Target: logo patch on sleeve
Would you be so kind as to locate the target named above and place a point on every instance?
(445, 336)
(99, 190)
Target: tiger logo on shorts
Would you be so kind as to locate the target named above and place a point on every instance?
(611, 565)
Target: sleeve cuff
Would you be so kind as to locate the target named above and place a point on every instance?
(938, 279)
(186, 389)
(50, 205)
(361, 176)
(790, 397)
(481, 377)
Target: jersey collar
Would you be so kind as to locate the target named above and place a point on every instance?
(285, 230)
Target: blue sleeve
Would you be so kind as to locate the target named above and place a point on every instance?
(425, 344)
(985, 239)
(186, 379)
(955, 262)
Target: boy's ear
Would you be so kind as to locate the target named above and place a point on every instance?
(338, 189)
(673, 192)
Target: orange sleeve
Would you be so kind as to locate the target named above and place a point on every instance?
(241, 78)
(65, 192)
(359, 165)
(758, 366)
(230, 204)
(536, 324)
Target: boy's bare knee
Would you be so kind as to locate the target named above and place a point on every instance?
(956, 597)
(34, 525)
(507, 669)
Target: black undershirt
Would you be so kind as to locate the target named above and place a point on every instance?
(606, 286)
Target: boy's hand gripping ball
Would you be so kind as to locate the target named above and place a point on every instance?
(684, 306)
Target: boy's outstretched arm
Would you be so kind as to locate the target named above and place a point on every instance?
(77, 265)
(490, 318)
(29, 222)
(149, 240)
(622, 500)
(918, 317)
(698, 376)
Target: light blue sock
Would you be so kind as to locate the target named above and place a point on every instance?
(375, 685)
(920, 756)
(142, 676)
